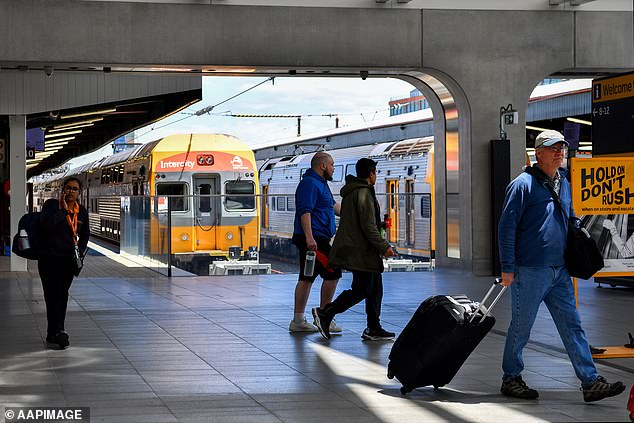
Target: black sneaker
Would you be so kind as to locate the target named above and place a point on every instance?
(61, 339)
(517, 388)
(322, 321)
(379, 334)
(601, 389)
(50, 341)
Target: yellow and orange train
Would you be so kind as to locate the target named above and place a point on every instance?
(211, 181)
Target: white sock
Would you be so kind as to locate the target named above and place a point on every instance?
(299, 317)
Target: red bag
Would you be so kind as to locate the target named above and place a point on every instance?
(323, 260)
(630, 404)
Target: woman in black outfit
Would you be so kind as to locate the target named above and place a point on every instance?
(65, 231)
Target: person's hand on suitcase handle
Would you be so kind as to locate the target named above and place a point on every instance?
(507, 278)
(484, 310)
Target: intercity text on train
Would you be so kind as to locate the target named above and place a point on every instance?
(607, 184)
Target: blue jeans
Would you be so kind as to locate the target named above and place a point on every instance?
(553, 286)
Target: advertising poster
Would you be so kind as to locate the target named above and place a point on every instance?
(603, 196)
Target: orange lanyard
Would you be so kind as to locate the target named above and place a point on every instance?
(73, 222)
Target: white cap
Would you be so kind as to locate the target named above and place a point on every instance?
(548, 138)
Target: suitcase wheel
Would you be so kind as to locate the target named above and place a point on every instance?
(405, 391)
(390, 375)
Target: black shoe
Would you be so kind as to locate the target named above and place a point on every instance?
(322, 321)
(379, 334)
(601, 389)
(517, 388)
(61, 339)
(50, 341)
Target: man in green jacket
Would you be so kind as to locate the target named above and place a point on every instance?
(360, 248)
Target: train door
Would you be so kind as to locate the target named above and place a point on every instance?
(206, 213)
(410, 204)
(392, 209)
(265, 207)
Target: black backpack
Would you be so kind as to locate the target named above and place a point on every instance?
(27, 246)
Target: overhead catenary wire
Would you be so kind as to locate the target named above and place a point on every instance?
(208, 109)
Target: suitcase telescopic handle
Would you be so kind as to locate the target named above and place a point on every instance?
(487, 310)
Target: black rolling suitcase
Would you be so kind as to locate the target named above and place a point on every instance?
(443, 332)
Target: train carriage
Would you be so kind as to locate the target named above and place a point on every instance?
(212, 184)
(403, 187)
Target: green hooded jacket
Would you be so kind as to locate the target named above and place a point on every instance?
(358, 244)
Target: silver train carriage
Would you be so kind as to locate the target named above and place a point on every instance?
(403, 187)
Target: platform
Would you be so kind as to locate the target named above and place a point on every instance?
(145, 348)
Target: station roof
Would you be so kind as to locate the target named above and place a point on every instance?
(71, 133)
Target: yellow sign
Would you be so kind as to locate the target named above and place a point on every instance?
(603, 186)
(613, 88)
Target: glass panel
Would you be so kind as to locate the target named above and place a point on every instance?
(453, 226)
(281, 204)
(143, 231)
(205, 202)
(290, 203)
(337, 176)
(425, 206)
(351, 170)
(240, 195)
(174, 188)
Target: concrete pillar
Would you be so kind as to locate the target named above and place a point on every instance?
(17, 163)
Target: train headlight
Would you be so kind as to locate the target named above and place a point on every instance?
(229, 236)
(184, 237)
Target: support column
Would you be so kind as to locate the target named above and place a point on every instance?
(17, 165)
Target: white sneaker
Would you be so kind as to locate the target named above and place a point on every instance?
(334, 327)
(302, 327)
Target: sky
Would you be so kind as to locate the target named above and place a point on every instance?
(354, 100)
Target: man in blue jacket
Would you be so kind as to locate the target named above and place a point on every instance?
(532, 239)
(314, 226)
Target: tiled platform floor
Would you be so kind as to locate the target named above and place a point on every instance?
(148, 349)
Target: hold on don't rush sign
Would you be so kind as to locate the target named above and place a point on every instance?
(603, 186)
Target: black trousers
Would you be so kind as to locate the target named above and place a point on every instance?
(366, 286)
(57, 275)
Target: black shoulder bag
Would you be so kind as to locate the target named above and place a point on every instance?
(582, 256)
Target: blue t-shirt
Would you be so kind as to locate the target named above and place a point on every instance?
(313, 196)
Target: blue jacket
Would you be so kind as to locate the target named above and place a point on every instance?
(532, 230)
(313, 196)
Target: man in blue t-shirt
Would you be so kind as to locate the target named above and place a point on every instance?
(313, 228)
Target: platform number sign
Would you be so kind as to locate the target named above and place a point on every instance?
(3, 148)
(30, 153)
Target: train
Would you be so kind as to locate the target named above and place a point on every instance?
(210, 180)
(404, 188)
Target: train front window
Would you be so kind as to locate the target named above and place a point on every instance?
(178, 203)
(240, 195)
